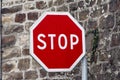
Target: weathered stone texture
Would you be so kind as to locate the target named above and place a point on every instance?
(106, 22)
(92, 24)
(105, 8)
(106, 76)
(73, 6)
(24, 64)
(7, 67)
(114, 5)
(51, 74)
(31, 75)
(20, 17)
(62, 8)
(11, 53)
(96, 69)
(89, 40)
(8, 41)
(103, 56)
(29, 6)
(81, 4)
(22, 39)
(43, 73)
(83, 14)
(58, 2)
(14, 76)
(25, 51)
(69, 1)
(96, 12)
(41, 5)
(90, 3)
(14, 29)
(28, 25)
(118, 76)
(77, 78)
(12, 9)
(32, 16)
(7, 19)
(118, 19)
(115, 40)
(35, 64)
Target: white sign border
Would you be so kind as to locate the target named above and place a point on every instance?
(31, 42)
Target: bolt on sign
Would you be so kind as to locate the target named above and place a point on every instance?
(57, 41)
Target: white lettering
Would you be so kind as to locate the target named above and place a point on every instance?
(62, 41)
(52, 40)
(42, 41)
(59, 41)
(72, 42)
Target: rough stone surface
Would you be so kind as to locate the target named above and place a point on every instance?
(32, 16)
(103, 56)
(28, 25)
(96, 12)
(51, 74)
(41, 5)
(23, 39)
(29, 6)
(35, 64)
(31, 75)
(114, 5)
(92, 24)
(24, 64)
(25, 51)
(58, 2)
(107, 22)
(15, 76)
(81, 4)
(89, 40)
(7, 19)
(69, 1)
(115, 40)
(91, 3)
(20, 17)
(11, 53)
(12, 9)
(118, 19)
(83, 15)
(95, 69)
(14, 29)
(7, 67)
(62, 8)
(8, 41)
(73, 6)
(99, 18)
(43, 73)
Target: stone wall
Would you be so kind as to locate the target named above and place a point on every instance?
(100, 19)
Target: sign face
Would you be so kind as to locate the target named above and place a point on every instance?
(57, 41)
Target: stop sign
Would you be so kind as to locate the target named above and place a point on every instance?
(57, 41)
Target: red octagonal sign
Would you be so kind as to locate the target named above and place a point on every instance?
(57, 41)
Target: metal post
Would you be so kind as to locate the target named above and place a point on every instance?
(84, 69)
